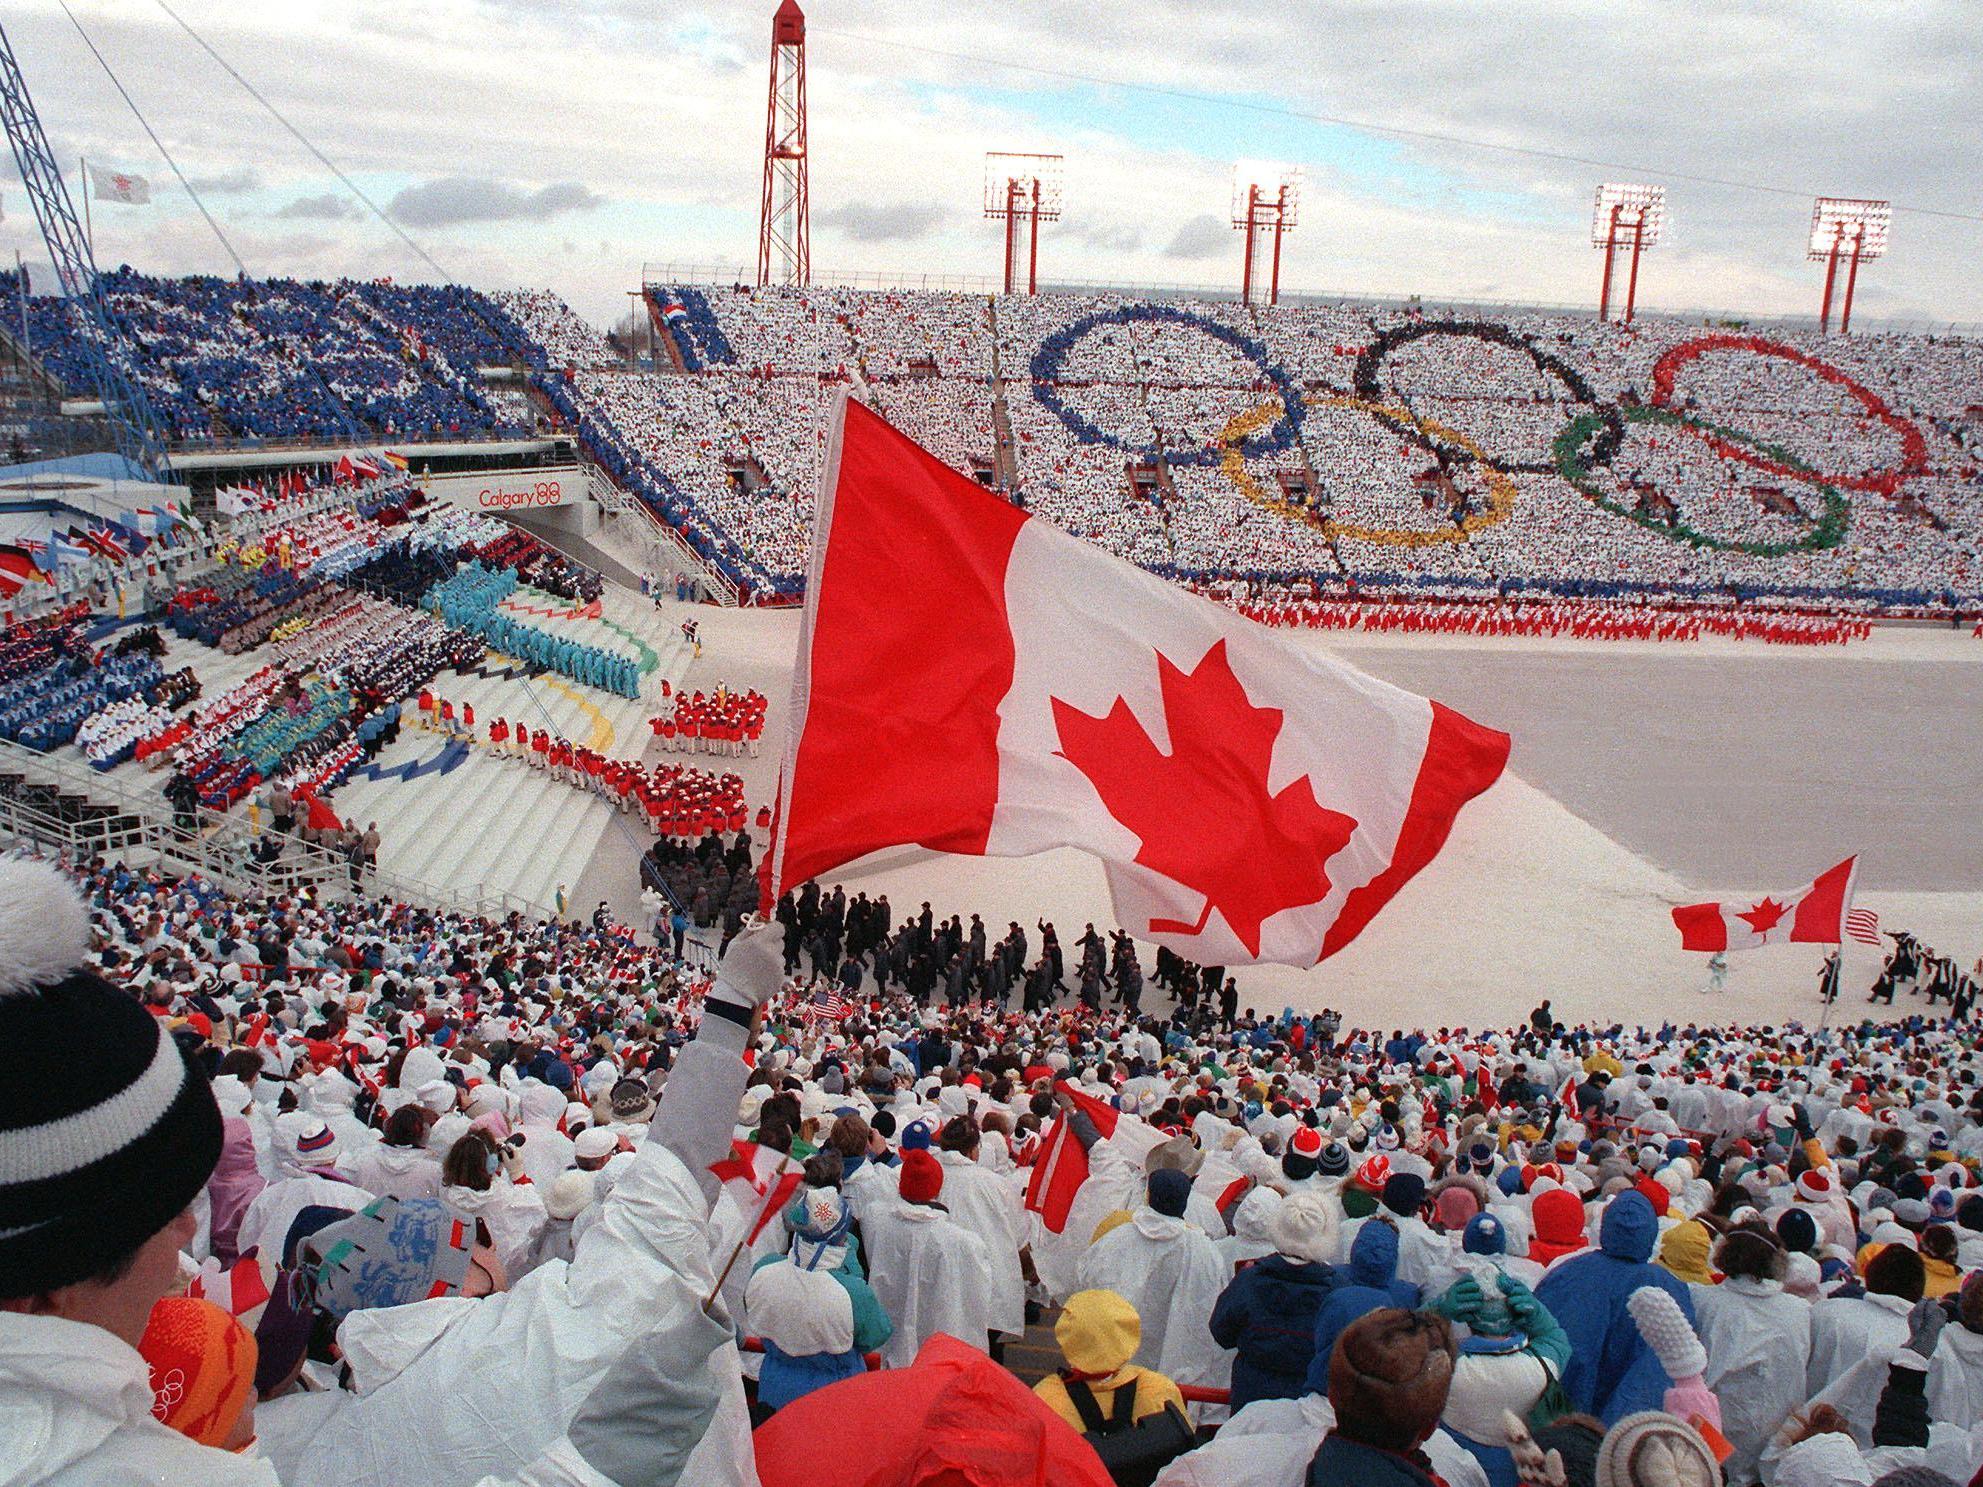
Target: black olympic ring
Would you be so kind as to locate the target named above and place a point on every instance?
(1602, 449)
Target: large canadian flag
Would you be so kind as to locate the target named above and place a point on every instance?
(974, 680)
(1813, 914)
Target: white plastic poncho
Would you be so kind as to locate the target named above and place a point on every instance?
(1172, 1274)
(930, 1275)
(447, 1390)
(988, 1205)
(1758, 1338)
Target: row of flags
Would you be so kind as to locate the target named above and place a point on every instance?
(259, 495)
(117, 539)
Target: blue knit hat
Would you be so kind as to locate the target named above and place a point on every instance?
(1484, 1236)
(916, 1136)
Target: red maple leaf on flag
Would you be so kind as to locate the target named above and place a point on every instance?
(1202, 813)
(1764, 917)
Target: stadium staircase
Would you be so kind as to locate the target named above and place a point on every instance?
(497, 826)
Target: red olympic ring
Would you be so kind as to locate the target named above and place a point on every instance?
(1914, 448)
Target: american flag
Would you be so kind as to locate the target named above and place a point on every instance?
(827, 1005)
(1863, 925)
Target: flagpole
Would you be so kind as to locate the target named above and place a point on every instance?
(89, 232)
(755, 1226)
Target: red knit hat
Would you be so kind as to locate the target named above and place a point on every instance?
(922, 1176)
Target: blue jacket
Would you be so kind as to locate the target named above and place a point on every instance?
(1268, 1313)
(1612, 1371)
(1370, 1284)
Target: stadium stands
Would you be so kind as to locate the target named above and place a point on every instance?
(1299, 451)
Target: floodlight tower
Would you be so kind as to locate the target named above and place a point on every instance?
(784, 232)
(1022, 188)
(1625, 212)
(1264, 196)
(1855, 229)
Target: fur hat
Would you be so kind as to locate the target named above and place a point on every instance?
(1389, 1374)
(107, 1129)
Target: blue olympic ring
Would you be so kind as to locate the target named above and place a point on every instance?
(1052, 355)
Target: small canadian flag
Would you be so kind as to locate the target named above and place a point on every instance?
(759, 1180)
(1814, 914)
(972, 679)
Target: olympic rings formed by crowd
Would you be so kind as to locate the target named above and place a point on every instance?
(1052, 356)
(1827, 530)
(1500, 489)
(1589, 442)
(1370, 362)
(1914, 448)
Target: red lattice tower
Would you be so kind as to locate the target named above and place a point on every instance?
(1856, 230)
(784, 234)
(1624, 213)
(1265, 198)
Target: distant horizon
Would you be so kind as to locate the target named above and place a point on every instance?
(1443, 144)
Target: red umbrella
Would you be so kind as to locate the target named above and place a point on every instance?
(953, 1418)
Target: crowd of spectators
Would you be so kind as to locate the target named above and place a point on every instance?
(1552, 1254)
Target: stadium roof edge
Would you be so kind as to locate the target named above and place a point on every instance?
(319, 454)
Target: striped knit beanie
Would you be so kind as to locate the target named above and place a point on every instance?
(107, 1130)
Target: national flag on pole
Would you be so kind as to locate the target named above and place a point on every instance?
(971, 679)
(119, 185)
(1812, 915)
(398, 461)
(233, 500)
(1062, 1165)
(345, 472)
(364, 468)
(761, 1182)
(104, 542)
(17, 570)
(1863, 925)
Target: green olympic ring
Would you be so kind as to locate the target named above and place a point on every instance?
(1826, 532)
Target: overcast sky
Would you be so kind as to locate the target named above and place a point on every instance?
(567, 142)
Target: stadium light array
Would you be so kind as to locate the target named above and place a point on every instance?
(1845, 226)
(1625, 212)
(1265, 195)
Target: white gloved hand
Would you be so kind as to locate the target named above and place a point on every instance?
(752, 968)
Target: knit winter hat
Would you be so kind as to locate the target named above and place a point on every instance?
(107, 1130)
(1170, 1190)
(1404, 1193)
(1304, 1227)
(1654, 1449)
(1334, 1160)
(202, 1363)
(1484, 1236)
(921, 1176)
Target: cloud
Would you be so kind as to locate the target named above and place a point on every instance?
(1204, 236)
(232, 182)
(884, 222)
(330, 207)
(1108, 237)
(457, 199)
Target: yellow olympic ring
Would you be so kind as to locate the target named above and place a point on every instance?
(1500, 489)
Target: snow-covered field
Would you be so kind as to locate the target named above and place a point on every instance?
(1644, 775)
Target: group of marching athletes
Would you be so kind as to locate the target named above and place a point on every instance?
(718, 722)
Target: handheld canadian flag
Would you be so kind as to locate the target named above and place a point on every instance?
(761, 1182)
(1813, 914)
(1062, 1164)
(973, 680)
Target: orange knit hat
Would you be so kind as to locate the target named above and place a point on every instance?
(202, 1367)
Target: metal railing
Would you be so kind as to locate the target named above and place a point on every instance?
(670, 549)
(218, 843)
